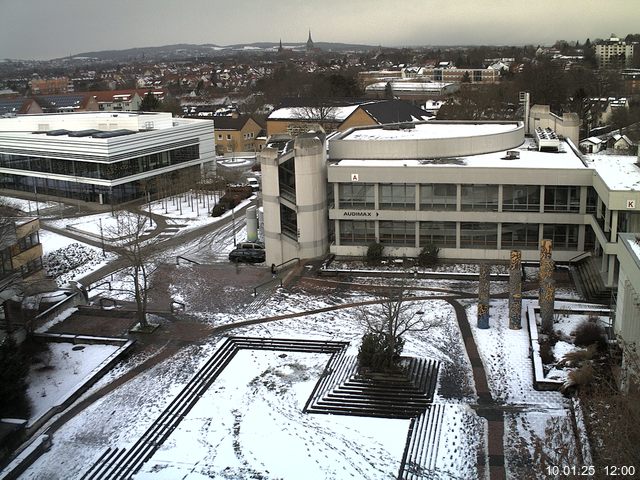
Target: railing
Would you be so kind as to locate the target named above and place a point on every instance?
(288, 193)
(273, 280)
(185, 258)
(290, 261)
(99, 285)
(579, 257)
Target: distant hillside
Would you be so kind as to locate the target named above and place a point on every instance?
(209, 49)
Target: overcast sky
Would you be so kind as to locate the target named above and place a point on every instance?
(43, 29)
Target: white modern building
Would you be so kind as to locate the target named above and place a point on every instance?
(102, 157)
(627, 324)
(476, 190)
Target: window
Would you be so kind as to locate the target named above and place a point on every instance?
(228, 136)
(521, 198)
(520, 235)
(479, 197)
(219, 136)
(478, 235)
(592, 200)
(398, 233)
(561, 199)
(289, 222)
(438, 196)
(356, 195)
(564, 237)
(440, 234)
(357, 233)
(397, 197)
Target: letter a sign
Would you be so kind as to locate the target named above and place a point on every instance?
(354, 177)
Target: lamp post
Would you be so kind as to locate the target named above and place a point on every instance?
(102, 238)
(35, 190)
(233, 224)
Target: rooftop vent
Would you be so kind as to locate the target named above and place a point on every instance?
(547, 139)
(512, 155)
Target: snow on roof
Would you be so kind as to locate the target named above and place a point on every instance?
(423, 131)
(618, 172)
(312, 113)
(594, 140)
(530, 157)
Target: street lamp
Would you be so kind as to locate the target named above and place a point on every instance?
(233, 224)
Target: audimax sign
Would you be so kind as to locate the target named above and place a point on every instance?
(359, 213)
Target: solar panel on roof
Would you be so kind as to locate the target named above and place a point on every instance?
(112, 133)
(57, 133)
(84, 133)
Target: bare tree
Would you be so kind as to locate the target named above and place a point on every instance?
(385, 325)
(133, 244)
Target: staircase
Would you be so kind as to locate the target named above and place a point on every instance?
(588, 281)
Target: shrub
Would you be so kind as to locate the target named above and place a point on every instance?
(376, 353)
(588, 333)
(374, 253)
(218, 210)
(428, 255)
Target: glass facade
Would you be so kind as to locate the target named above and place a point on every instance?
(357, 233)
(438, 196)
(289, 221)
(357, 195)
(479, 198)
(397, 197)
(398, 233)
(561, 199)
(478, 235)
(519, 235)
(521, 198)
(93, 193)
(101, 170)
(564, 237)
(441, 234)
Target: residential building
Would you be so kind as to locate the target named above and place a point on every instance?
(51, 86)
(102, 157)
(476, 190)
(614, 53)
(67, 103)
(124, 100)
(237, 134)
(18, 106)
(297, 117)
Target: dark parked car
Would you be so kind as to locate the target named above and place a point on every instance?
(248, 252)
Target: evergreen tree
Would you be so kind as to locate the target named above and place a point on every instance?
(14, 369)
(150, 103)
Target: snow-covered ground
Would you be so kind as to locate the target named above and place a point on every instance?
(61, 367)
(249, 424)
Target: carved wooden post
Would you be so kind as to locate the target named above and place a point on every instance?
(483, 296)
(515, 290)
(547, 286)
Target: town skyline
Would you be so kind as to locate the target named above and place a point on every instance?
(70, 27)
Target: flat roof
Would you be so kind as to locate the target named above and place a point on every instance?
(530, 157)
(618, 172)
(429, 131)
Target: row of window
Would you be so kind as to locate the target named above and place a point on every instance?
(472, 197)
(443, 234)
(106, 171)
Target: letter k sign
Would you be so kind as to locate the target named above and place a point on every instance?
(354, 177)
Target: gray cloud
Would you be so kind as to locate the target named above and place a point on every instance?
(48, 29)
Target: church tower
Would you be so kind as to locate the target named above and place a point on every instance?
(310, 46)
